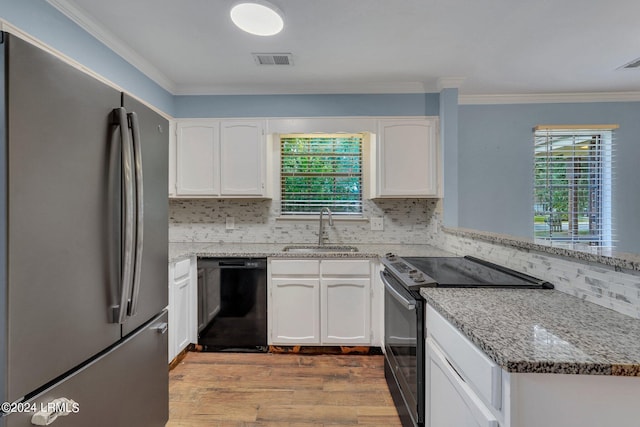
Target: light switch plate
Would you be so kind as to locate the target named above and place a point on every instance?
(377, 223)
(230, 224)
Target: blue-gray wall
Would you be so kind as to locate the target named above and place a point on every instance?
(449, 157)
(44, 22)
(495, 164)
(425, 104)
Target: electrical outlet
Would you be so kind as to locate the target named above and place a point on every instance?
(377, 223)
(230, 224)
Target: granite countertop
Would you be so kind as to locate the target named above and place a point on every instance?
(263, 250)
(604, 256)
(542, 331)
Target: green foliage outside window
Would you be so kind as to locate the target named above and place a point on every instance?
(321, 171)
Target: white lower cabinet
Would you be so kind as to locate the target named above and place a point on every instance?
(346, 307)
(451, 401)
(464, 388)
(182, 305)
(295, 311)
(319, 302)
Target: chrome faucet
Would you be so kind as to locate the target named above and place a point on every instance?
(321, 228)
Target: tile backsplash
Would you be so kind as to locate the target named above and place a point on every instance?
(410, 221)
(406, 221)
(608, 286)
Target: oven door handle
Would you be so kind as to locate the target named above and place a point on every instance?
(409, 305)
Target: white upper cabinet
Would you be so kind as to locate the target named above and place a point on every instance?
(242, 155)
(405, 159)
(197, 151)
(222, 159)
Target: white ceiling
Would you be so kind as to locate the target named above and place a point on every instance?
(484, 47)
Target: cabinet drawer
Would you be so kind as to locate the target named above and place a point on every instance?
(357, 267)
(181, 269)
(451, 401)
(289, 267)
(482, 374)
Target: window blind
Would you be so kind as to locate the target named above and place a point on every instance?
(573, 185)
(321, 170)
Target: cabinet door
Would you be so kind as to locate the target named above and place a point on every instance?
(242, 154)
(202, 302)
(197, 159)
(346, 311)
(183, 313)
(181, 306)
(295, 311)
(406, 159)
(450, 401)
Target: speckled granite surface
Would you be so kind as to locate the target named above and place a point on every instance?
(542, 331)
(262, 250)
(615, 259)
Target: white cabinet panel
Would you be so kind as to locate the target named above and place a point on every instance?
(482, 373)
(451, 402)
(296, 267)
(355, 267)
(221, 159)
(320, 301)
(346, 311)
(406, 158)
(295, 311)
(242, 154)
(197, 151)
(182, 305)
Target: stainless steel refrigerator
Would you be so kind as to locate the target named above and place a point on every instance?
(83, 248)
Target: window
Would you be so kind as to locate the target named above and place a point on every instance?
(573, 170)
(321, 170)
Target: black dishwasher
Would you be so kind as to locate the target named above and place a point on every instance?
(232, 304)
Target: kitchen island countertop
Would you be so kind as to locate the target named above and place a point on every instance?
(542, 331)
(263, 250)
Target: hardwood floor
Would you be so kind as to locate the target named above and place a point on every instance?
(267, 390)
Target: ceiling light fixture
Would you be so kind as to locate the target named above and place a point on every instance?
(257, 17)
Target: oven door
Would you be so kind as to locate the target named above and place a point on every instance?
(404, 349)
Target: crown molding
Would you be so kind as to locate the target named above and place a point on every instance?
(113, 42)
(549, 98)
(450, 83)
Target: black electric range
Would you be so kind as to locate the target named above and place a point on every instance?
(404, 330)
(457, 272)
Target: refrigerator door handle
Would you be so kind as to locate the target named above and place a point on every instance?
(161, 328)
(139, 218)
(120, 116)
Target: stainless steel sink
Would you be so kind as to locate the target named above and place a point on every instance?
(319, 249)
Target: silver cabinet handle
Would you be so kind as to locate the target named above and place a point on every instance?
(139, 197)
(409, 305)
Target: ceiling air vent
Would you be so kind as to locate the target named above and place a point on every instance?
(633, 64)
(273, 58)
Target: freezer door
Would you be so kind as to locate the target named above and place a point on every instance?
(152, 294)
(126, 387)
(63, 247)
